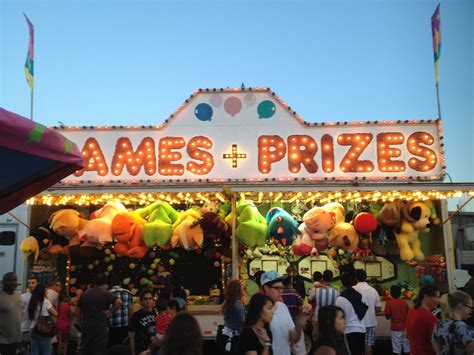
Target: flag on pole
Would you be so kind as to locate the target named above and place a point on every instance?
(30, 57)
(436, 31)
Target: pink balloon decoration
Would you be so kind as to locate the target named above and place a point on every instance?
(232, 105)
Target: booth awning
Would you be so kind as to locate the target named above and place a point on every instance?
(32, 158)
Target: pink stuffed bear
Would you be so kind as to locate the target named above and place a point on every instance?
(99, 229)
(316, 223)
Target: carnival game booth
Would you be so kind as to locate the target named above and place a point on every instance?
(234, 182)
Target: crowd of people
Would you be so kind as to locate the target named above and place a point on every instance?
(273, 322)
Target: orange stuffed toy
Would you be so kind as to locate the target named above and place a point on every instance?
(127, 230)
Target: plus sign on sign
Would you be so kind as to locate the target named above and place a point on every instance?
(252, 134)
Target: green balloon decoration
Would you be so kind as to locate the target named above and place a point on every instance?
(266, 109)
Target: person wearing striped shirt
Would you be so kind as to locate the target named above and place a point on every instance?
(322, 294)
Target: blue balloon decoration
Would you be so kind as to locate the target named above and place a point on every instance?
(203, 112)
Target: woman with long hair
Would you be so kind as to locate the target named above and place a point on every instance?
(38, 306)
(256, 338)
(332, 323)
(452, 335)
(421, 321)
(183, 336)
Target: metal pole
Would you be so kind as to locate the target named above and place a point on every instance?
(437, 99)
(448, 245)
(235, 247)
(458, 210)
(31, 102)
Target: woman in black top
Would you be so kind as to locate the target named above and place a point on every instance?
(331, 322)
(256, 338)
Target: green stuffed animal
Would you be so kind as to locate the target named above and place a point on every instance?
(159, 229)
(252, 227)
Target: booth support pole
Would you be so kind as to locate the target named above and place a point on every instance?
(235, 251)
(448, 244)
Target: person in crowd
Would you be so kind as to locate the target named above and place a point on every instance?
(142, 327)
(285, 331)
(234, 316)
(421, 321)
(183, 336)
(291, 299)
(397, 311)
(118, 323)
(354, 310)
(38, 306)
(297, 280)
(371, 298)
(31, 284)
(94, 309)
(173, 307)
(52, 293)
(452, 335)
(330, 339)
(179, 295)
(469, 289)
(256, 338)
(63, 324)
(321, 295)
(164, 281)
(10, 315)
(256, 277)
(163, 318)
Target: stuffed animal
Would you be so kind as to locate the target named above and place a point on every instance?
(187, 233)
(252, 228)
(282, 226)
(98, 230)
(159, 229)
(344, 236)
(416, 219)
(434, 219)
(316, 224)
(390, 214)
(217, 234)
(29, 246)
(210, 207)
(365, 224)
(126, 229)
(338, 210)
(48, 241)
(68, 223)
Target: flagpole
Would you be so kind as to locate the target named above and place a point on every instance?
(437, 98)
(31, 103)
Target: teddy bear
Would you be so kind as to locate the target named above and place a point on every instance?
(217, 234)
(98, 230)
(252, 227)
(344, 236)
(126, 229)
(282, 226)
(160, 217)
(316, 224)
(416, 219)
(48, 241)
(68, 223)
(187, 232)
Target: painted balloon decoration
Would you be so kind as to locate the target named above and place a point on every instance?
(216, 100)
(203, 112)
(232, 105)
(266, 109)
(250, 99)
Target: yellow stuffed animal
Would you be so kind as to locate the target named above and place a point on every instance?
(187, 232)
(416, 219)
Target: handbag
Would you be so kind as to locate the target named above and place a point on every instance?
(226, 344)
(44, 326)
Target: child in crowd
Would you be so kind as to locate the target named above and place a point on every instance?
(163, 319)
(397, 311)
(63, 324)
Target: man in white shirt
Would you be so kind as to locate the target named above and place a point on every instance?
(284, 331)
(372, 299)
(52, 294)
(354, 310)
(25, 321)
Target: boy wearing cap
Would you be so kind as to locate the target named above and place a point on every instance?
(285, 331)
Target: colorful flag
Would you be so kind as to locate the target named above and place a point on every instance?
(436, 30)
(30, 57)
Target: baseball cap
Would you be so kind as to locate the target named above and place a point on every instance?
(270, 277)
(427, 280)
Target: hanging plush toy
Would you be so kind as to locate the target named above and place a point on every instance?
(30, 246)
(282, 226)
(338, 211)
(344, 236)
(187, 233)
(434, 219)
(126, 229)
(217, 234)
(48, 241)
(159, 229)
(316, 224)
(252, 227)
(365, 224)
(415, 220)
(98, 230)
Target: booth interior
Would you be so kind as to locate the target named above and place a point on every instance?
(200, 240)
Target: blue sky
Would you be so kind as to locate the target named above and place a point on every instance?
(134, 62)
